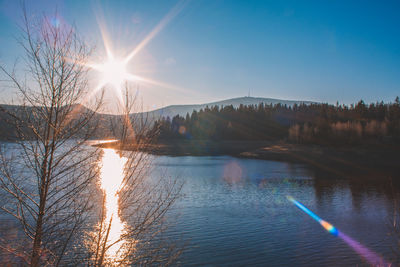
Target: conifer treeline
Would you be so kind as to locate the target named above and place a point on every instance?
(314, 123)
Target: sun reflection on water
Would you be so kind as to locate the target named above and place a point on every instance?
(112, 174)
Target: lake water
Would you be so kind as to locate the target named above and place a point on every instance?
(235, 212)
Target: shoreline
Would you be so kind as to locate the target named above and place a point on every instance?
(375, 162)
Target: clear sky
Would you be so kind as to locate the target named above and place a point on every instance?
(211, 50)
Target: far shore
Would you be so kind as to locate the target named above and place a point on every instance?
(377, 161)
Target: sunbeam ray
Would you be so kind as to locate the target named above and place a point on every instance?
(132, 77)
(159, 27)
(104, 36)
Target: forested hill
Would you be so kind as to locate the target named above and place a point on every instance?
(107, 122)
(12, 116)
(313, 123)
(298, 122)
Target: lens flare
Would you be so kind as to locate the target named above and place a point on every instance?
(370, 256)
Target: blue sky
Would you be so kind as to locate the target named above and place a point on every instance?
(308, 50)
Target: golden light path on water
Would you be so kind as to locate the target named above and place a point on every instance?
(112, 174)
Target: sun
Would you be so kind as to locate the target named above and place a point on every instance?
(113, 72)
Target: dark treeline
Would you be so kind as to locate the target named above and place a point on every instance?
(305, 123)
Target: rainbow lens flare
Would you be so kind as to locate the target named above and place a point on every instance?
(328, 227)
(370, 256)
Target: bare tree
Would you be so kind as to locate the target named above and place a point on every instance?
(49, 180)
(46, 181)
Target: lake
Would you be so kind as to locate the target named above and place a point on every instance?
(235, 212)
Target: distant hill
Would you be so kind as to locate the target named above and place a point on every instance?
(7, 121)
(182, 110)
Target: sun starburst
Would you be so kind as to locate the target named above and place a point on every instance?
(113, 71)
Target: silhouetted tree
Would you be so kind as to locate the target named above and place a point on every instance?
(46, 182)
